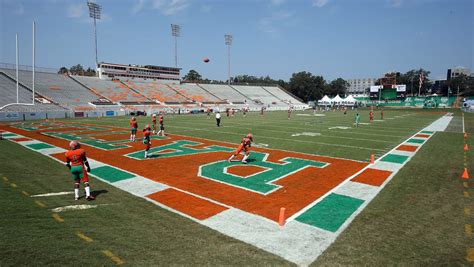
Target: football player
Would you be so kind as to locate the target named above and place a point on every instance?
(244, 148)
(76, 160)
(133, 128)
(146, 139)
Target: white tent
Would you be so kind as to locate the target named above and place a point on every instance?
(325, 100)
(336, 99)
(350, 99)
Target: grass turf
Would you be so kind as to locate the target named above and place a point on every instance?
(417, 219)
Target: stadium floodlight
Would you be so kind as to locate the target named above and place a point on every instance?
(175, 32)
(228, 42)
(94, 12)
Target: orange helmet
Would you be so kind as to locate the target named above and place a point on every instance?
(250, 136)
(133, 118)
(74, 145)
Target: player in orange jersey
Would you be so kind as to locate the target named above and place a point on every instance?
(133, 128)
(162, 126)
(146, 139)
(153, 120)
(371, 116)
(244, 148)
(381, 114)
(75, 161)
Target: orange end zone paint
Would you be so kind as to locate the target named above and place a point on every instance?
(297, 190)
(21, 139)
(188, 204)
(407, 148)
(422, 135)
(372, 177)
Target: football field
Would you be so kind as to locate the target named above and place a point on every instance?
(187, 204)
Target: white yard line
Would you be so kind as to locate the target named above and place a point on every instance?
(53, 194)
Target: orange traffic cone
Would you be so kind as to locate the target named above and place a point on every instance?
(466, 147)
(465, 135)
(465, 175)
(372, 159)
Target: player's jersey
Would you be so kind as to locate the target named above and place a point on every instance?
(146, 136)
(76, 156)
(153, 120)
(134, 124)
(246, 142)
(161, 119)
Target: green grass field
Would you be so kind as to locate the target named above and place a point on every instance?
(419, 218)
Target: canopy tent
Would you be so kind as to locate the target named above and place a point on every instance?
(325, 100)
(336, 99)
(350, 99)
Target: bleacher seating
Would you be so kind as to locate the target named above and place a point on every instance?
(156, 91)
(61, 89)
(258, 94)
(225, 92)
(8, 96)
(194, 92)
(282, 95)
(113, 90)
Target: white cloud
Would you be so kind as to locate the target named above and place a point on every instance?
(76, 10)
(277, 2)
(170, 7)
(138, 6)
(320, 3)
(206, 8)
(395, 3)
(270, 24)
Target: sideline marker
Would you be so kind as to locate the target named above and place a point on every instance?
(466, 147)
(372, 159)
(281, 219)
(465, 175)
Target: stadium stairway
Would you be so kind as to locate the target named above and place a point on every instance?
(178, 92)
(246, 97)
(209, 92)
(90, 89)
(136, 91)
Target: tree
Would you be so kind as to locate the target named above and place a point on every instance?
(338, 86)
(307, 86)
(63, 70)
(77, 70)
(90, 72)
(412, 80)
(192, 76)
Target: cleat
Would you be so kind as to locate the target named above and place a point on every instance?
(244, 162)
(76, 198)
(89, 198)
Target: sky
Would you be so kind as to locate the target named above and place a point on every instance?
(332, 38)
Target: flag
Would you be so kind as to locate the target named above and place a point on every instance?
(421, 80)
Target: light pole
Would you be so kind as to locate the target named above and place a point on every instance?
(228, 42)
(94, 12)
(175, 32)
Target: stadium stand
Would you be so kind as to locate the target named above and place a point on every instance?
(258, 94)
(8, 91)
(115, 90)
(59, 88)
(157, 91)
(225, 92)
(195, 93)
(282, 95)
